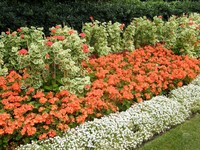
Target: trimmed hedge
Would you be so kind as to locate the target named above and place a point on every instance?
(46, 14)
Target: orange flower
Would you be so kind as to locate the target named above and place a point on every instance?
(1, 132)
(19, 30)
(2, 123)
(42, 100)
(30, 90)
(31, 130)
(98, 115)
(51, 133)
(87, 86)
(53, 30)
(70, 32)
(2, 81)
(26, 75)
(23, 131)
(22, 36)
(23, 52)
(8, 130)
(83, 35)
(47, 56)
(137, 95)
(54, 107)
(180, 83)
(42, 136)
(59, 37)
(39, 94)
(139, 100)
(147, 95)
(190, 23)
(63, 93)
(85, 48)
(81, 118)
(41, 109)
(49, 95)
(49, 120)
(46, 127)
(61, 126)
(122, 26)
(48, 43)
(4, 116)
(53, 100)
(91, 17)
(57, 26)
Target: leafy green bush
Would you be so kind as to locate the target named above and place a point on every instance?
(57, 57)
(104, 37)
(181, 34)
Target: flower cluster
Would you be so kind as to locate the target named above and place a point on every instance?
(35, 114)
(181, 34)
(139, 75)
(128, 129)
(57, 57)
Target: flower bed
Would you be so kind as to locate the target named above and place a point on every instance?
(46, 88)
(118, 81)
(128, 129)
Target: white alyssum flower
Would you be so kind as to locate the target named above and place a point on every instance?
(196, 81)
(187, 95)
(121, 130)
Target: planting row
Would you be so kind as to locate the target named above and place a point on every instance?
(129, 129)
(53, 63)
(118, 81)
(139, 75)
(181, 34)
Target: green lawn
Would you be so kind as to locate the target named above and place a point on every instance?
(184, 137)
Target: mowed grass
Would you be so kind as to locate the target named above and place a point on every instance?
(183, 137)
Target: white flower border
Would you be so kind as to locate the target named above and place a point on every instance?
(128, 129)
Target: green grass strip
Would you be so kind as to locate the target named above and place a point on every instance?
(184, 137)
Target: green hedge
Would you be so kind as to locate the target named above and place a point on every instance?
(46, 14)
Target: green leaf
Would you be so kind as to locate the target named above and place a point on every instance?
(18, 137)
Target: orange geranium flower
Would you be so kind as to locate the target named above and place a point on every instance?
(180, 83)
(81, 118)
(53, 100)
(31, 130)
(46, 127)
(42, 136)
(8, 130)
(30, 90)
(147, 95)
(39, 94)
(1, 132)
(49, 95)
(42, 100)
(139, 100)
(41, 109)
(51, 133)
